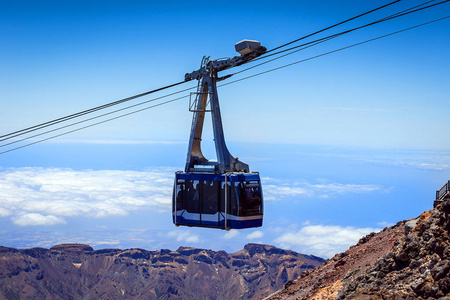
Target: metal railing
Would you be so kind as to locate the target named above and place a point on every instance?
(443, 190)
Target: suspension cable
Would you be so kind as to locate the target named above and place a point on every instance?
(332, 26)
(231, 82)
(303, 46)
(337, 50)
(321, 40)
(81, 113)
(393, 16)
(96, 117)
(94, 124)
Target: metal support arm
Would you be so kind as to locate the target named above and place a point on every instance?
(220, 65)
(207, 93)
(195, 158)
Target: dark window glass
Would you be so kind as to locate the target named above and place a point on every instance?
(192, 196)
(179, 194)
(222, 196)
(210, 197)
(232, 206)
(250, 198)
(233, 199)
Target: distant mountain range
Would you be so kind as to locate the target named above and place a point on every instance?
(74, 271)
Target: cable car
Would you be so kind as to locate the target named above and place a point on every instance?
(220, 193)
(232, 200)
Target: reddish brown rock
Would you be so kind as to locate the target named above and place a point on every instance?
(411, 262)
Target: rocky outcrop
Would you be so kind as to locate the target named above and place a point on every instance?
(72, 248)
(410, 260)
(417, 267)
(73, 271)
(327, 280)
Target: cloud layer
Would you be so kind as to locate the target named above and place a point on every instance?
(301, 189)
(255, 235)
(322, 240)
(46, 197)
(184, 236)
(37, 196)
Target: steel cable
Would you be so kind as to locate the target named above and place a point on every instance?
(79, 114)
(231, 82)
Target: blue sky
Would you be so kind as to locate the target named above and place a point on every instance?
(346, 143)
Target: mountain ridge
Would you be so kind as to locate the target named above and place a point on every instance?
(77, 271)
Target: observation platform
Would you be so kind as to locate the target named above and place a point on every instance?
(442, 194)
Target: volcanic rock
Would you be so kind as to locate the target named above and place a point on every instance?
(410, 260)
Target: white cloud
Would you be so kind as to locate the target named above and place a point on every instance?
(184, 236)
(4, 212)
(427, 160)
(37, 219)
(54, 194)
(231, 234)
(255, 235)
(301, 189)
(322, 240)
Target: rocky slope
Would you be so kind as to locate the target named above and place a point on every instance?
(75, 271)
(410, 260)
